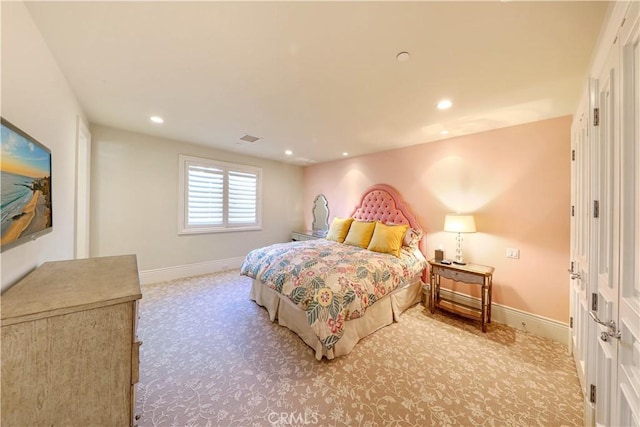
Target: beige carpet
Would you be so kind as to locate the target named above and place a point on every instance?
(210, 356)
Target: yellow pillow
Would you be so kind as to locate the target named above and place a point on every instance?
(339, 229)
(360, 233)
(387, 238)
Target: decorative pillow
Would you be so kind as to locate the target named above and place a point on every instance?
(387, 238)
(412, 238)
(339, 229)
(360, 233)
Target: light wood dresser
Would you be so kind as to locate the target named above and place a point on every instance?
(69, 347)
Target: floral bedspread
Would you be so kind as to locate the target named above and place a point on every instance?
(331, 281)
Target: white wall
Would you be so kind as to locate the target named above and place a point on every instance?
(37, 98)
(134, 202)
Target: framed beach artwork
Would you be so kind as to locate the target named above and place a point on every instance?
(25, 187)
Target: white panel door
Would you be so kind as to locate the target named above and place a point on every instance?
(605, 243)
(579, 268)
(628, 393)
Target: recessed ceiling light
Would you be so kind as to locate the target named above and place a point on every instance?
(345, 154)
(156, 119)
(403, 56)
(444, 104)
(288, 152)
(444, 132)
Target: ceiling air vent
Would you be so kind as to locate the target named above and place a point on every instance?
(249, 138)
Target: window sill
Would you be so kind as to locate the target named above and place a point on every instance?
(209, 230)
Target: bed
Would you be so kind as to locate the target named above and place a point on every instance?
(332, 293)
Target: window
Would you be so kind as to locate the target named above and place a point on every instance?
(218, 196)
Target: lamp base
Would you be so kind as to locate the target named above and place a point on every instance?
(460, 262)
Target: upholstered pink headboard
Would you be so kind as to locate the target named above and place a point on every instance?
(383, 203)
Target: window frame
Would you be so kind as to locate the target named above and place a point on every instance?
(184, 161)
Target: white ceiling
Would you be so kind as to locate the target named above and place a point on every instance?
(320, 78)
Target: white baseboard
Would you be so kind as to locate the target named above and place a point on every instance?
(537, 325)
(180, 271)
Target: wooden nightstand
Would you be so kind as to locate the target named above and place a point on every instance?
(304, 235)
(474, 274)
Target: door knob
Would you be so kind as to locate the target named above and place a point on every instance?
(605, 335)
(608, 324)
(574, 275)
(611, 332)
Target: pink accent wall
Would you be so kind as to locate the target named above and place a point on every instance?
(515, 181)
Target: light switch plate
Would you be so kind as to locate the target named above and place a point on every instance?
(513, 253)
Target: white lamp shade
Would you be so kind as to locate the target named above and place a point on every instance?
(459, 223)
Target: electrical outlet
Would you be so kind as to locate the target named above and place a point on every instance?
(513, 253)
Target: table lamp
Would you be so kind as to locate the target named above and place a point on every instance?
(456, 223)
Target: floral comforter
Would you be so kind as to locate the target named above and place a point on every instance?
(331, 281)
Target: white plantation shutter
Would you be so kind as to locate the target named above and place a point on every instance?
(206, 196)
(218, 196)
(243, 197)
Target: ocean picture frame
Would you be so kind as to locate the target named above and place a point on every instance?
(25, 187)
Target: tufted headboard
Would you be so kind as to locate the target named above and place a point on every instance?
(383, 203)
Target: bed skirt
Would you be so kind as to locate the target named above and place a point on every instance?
(384, 312)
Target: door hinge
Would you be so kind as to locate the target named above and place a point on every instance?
(596, 209)
(592, 394)
(596, 116)
(573, 155)
(571, 322)
(573, 210)
(572, 267)
(594, 302)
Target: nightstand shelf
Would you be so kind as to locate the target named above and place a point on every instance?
(474, 274)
